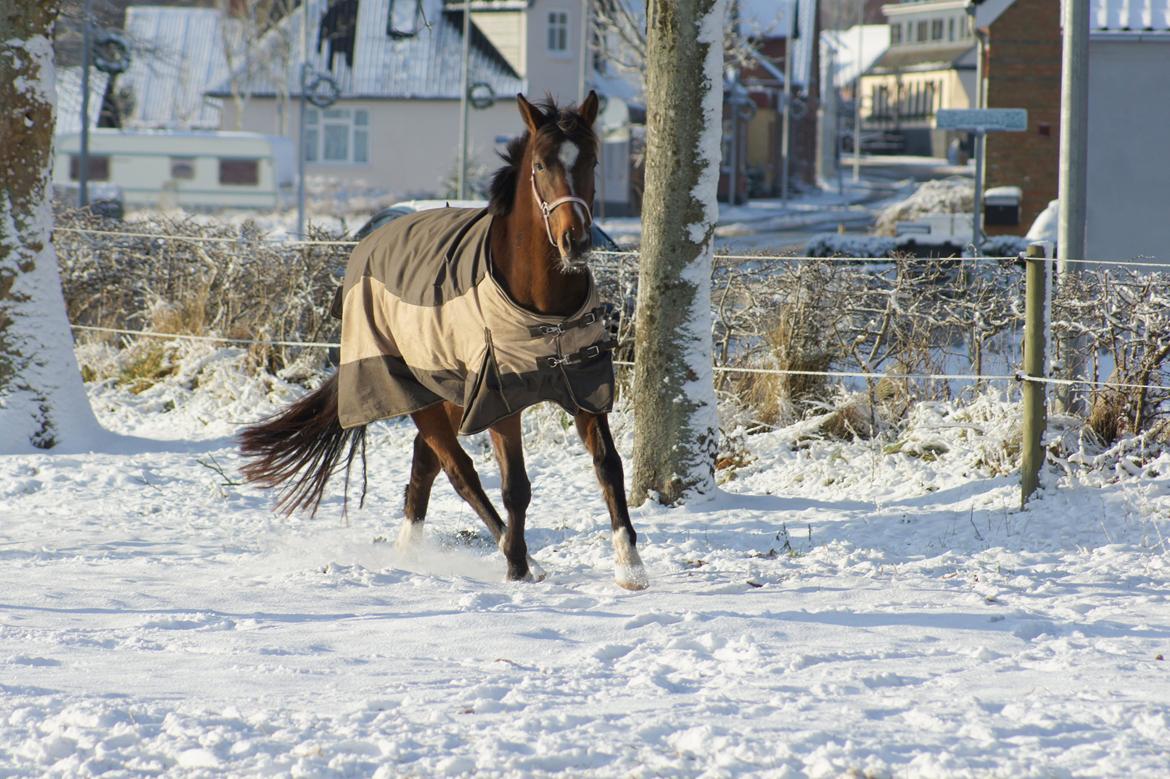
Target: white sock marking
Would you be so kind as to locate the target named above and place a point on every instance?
(628, 569)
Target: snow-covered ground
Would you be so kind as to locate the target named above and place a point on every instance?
(838, 609)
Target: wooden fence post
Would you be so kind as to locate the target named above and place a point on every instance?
(1035, 392)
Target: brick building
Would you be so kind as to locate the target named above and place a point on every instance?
(1023, 71)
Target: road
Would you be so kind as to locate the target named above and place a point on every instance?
(886, 179)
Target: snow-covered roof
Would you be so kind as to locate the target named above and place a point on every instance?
(425, 66)
(1130, 16)
(773, 19)
(176, 54)
(850, 56)
(69, 99)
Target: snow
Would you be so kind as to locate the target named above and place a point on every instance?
(837, 609)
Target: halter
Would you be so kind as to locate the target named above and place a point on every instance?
(547, 208)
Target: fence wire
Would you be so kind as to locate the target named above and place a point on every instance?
(784, 327)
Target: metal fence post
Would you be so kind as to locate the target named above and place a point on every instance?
(1035, 393)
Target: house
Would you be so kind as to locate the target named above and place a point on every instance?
(396, 67)
(753, 107)
(176, 53)
(1023, 71)
(844, 55)
(1129, 146)
(548, 43)
(1129, 109)
(929, 65)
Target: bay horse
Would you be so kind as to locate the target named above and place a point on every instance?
(529, 265)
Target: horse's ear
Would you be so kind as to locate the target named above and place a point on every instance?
(533, 116)
(588, 109)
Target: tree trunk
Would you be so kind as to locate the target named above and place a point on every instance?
(42, 399)
(676, 426)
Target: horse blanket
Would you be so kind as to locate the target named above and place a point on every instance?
(423, 320)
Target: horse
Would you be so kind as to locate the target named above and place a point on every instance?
(518, 267)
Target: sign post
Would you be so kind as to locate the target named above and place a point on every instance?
(979, 122)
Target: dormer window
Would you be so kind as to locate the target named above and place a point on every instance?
(558, 32)
(404, 19)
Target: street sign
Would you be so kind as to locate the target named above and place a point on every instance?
(984, 120)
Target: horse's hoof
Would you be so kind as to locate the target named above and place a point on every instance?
(535, 572)
(631, 577)
(410, 535)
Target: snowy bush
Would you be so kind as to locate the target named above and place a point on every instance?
(235, 285)
(954, 195)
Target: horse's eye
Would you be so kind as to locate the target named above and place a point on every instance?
(539, 167)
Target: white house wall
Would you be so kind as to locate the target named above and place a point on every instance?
(412, 143)
(1129, 154)
(506, 31)
(557, 74)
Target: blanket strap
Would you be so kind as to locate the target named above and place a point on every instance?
(588, 353)
(560, 328)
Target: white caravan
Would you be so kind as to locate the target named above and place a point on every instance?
(207, 170)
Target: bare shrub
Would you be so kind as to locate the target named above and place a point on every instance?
(200, 280)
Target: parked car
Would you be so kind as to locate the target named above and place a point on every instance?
(601, 239)
(875, 142)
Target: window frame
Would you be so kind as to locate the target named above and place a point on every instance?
(557, 31)
(98, 164)
(356, 125)
(227, 164)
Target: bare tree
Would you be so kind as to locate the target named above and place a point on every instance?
(676, 425)
(42, 400)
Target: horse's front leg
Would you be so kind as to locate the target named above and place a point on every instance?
(508, 443)
(594, 431)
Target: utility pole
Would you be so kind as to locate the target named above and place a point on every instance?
(301, 121)
(786, 116)
(83, 157)
(461, 176)
(1074, 131)
(857, 92)
(584, 52)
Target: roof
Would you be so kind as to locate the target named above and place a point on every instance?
(925, 58)
(849, 56)
(69, 99)
(176, 53)
(773, 18)
(1129, 16)
(424, 66)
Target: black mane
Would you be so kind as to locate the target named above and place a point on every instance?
(559, 124)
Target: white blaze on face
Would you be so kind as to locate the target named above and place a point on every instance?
(568, 154)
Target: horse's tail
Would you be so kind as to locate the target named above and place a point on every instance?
(299, 448)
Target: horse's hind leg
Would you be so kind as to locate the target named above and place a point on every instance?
(437, 431)
(423, 470)
(508, 444)
(594, 431)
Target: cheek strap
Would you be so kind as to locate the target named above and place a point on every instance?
(547, 208)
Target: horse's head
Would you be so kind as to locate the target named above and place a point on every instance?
(560, 160)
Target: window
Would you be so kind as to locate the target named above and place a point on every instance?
(558, 31)
(936, 29)
(98, 167)
(951, 29)
(923, 29)
(183, 168)
(338, 135)
(895, 34)
(240, 173)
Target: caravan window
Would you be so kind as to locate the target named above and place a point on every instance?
(239, 172)
(182, 167)
(99, 167)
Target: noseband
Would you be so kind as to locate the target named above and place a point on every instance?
(547, 208)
